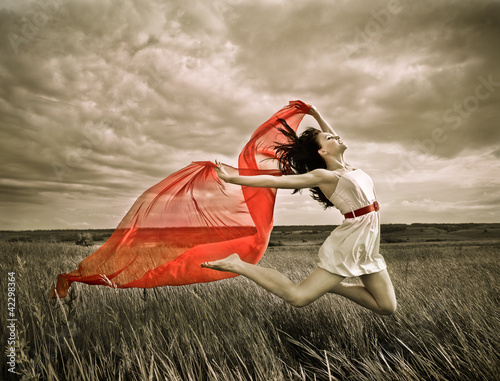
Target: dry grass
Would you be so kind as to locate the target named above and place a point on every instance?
(446, 327)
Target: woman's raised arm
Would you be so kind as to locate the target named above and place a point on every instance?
(324, 125)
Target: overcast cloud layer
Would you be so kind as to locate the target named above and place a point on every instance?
(102, 99)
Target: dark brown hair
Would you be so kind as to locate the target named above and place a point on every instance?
(300, 155)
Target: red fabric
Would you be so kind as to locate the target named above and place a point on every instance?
(189, 218)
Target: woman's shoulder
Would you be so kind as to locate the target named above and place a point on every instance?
(324, 173)
(327, 181)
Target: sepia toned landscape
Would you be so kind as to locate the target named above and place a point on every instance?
(446, 326)
(113, 114)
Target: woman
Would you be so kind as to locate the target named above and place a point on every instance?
(316, 160)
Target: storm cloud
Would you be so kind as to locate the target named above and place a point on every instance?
(102, 99)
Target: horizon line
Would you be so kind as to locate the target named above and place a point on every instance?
(275, 226)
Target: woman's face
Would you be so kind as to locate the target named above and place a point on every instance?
(331, 144)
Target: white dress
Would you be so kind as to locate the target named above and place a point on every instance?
(352, 249)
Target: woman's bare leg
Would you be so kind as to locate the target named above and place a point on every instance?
(358, 294)
(380, 286)
(318, 283)
(376, 293)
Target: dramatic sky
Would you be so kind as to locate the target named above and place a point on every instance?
(101, 99)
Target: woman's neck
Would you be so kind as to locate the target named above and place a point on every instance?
(335, 163)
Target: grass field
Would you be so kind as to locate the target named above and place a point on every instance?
(446, 327)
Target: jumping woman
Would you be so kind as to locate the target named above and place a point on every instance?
(315, 160)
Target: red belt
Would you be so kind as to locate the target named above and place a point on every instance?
(365, 210)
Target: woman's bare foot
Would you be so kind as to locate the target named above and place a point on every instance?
(227, 264)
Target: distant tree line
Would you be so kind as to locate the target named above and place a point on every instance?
(84, 239)
(391, 228)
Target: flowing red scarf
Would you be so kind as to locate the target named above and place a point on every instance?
(189, 218)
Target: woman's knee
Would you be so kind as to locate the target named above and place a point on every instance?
(299, 300)
(387, 308)
(299, 303)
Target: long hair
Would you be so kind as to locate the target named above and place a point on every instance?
(300, 155)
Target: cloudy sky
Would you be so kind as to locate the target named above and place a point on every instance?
(101, 99)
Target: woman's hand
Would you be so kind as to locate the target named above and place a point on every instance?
(221, 172)
(323, 124)
(299, 105)
(313, 111)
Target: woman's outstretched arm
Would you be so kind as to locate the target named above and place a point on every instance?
(324, 125)
(306, 180)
